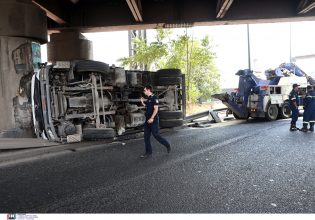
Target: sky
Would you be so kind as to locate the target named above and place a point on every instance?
(270, 45)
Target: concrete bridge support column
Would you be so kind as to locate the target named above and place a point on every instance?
(21, 23)
(69, 46)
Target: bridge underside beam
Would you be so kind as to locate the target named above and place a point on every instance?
(222, 7)
(93, 15)
(135, 8)
(306, 6)
(56, 10)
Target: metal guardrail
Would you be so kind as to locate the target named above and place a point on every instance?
(203, 114)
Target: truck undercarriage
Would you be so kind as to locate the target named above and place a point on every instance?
(92, 100)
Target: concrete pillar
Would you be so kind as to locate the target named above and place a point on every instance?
(21, 23)
(68, 46)
(10, 77)
(21, 18)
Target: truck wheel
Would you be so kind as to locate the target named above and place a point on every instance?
(92, 134)
(145, 78)
(285, 111)
(170, 123)
(171, 114)
(169, 72)
(272, 112)
(167, 81)
(153, 78)
(91, 66)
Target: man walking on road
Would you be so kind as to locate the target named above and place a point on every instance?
(294, 106)
(152, 122)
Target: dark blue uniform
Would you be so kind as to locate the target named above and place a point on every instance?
(294, 97)
(309, 110)
(153, 127)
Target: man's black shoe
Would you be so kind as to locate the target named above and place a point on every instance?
(311, 129)
(304, 129)
(294, 129)
(144, 156)
(168, 149)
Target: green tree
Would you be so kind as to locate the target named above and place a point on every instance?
(194, 57)
(147, 55)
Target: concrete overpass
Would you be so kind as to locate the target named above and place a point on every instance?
(102, 15)
(26, 21)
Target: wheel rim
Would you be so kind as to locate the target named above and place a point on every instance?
(272, 112)
(286, 111)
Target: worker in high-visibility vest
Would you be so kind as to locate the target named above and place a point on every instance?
(309, 109)
(294, 106)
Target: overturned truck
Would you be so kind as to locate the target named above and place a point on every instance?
(266, 98)
(90, 99)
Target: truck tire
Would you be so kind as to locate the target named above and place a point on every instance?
(171, 115)
(169, 72)
(152, 78)
(91, 66)
(92, 134)
(285, 111)
(271, 112)
(170, 123)
(167, 81)
(145, 78)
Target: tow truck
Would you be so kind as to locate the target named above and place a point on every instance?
(266, 98)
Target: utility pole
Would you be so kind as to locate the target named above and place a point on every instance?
(290, 43)
(248, 47)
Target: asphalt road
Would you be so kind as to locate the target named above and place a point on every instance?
(252, 167)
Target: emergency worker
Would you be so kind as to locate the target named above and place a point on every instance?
(151, 126)
(294, 106)
(309, 109)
